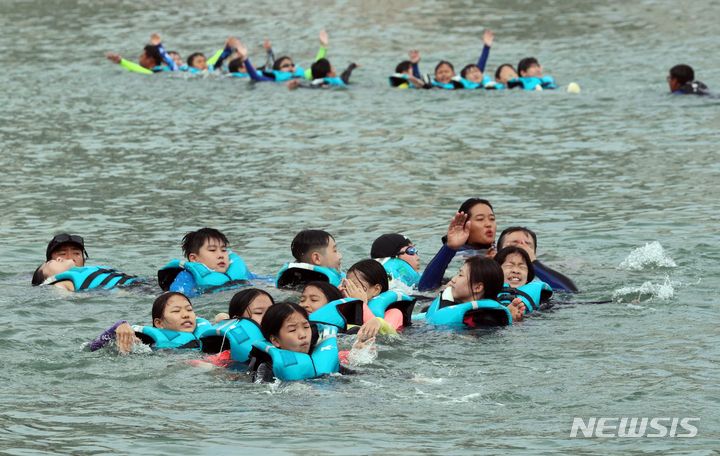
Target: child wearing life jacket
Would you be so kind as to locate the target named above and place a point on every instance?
(367, 280)
(399, 257)
(208, 266)
(316, 294)
(407, 73)
(172, 316)
(531, 75)
(506, 73)
(473, 75)
(153, 59)
(316, 258)
(324, 75)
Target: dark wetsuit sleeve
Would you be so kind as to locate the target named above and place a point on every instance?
(556, 280)
(345, 76)
(254, 75)
(482, 61)
(433, 274)
(166, 57)
(416, 70)
(225, 54)
(105, 338)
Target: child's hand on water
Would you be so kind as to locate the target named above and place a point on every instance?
(125, 338)
(369, 330)
(113, 57)
(488, 37)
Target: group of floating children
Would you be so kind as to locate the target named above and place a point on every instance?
(233, 60)
(498, 284)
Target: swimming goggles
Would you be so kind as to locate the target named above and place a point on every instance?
(409, 251)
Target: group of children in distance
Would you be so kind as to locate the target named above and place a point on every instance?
(496, 286)
(234, 61)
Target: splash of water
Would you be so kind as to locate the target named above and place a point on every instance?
(662, 291)
(652, 254)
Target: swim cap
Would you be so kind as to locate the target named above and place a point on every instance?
(388, 245)
(64, 238)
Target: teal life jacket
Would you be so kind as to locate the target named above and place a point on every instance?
(237, 335)
(331, 82)
(400, 270)
(481, 313)
(93, 277)
(455, 83)
(239, 75)
(293, 275)
(532, 294)
(206, 279)
(292, 366)
(532, 83)
(161, 339)
(282, 76)
(339, 313)
(393, 300)
(398, 79)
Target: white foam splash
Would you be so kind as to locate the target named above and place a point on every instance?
(363, 356)
(652, 254)
(662, 291)
(417, 378)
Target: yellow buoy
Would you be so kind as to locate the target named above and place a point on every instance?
(573, 87)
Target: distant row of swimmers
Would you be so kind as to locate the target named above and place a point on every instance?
(234, 61)
(375, 296)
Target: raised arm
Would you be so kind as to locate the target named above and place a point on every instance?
(155, 41)
(488, 38)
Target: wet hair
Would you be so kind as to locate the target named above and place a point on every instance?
(242, 300)
(192, 56)
(467, 68)
(403, 66)
(276, 315)
(154, 53)
(499, 69)
(307, 241)
(279, 61)
(330, 291)
(158, 308)
(320, 69)
(526, 63)
(372, 271)
(444, 62)
(487, 272)
(682, 73)
(513, 229)
(502, 255)
(194, 240)
(38, 276)
(235, 65)
(472, 202)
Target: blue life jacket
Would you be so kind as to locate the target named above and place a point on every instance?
(400, 80)
(292, 275)
(484, 313)
(393, 300)
(239, 75)
(532, 294)
(455, 83)
(291, 366)
(206, 279)
(332, 82)
(339, 313)
(238, 335)
(160, 69)
(161, 339)
(282, 76)
(532, 83)
(400, 270)
(91, 277)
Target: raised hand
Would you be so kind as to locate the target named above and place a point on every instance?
(414, 55)
(458, 231)
(488, 37)
(155, 39)
(267, 45)
(324, 39)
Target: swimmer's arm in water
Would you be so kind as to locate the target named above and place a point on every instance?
(125, 338)
(345, 76)
(488, 37)
(128, 65)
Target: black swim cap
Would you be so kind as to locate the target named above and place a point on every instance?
(64, 238)
(388, 245)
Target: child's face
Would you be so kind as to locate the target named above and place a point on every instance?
(312, 299)
(413, 260)
(521, 239)
(474, 74)
(361, 282)
(69, 252)
(515, 270)
(257, 308)
(54, 267)
(533, 71)
(200, 62)
(482, 225)
(460, 285)
(506, 73)
(213, 254)
(287, 65)
(294, 335)
(330, 257)
(444, 74)
(178, 315)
